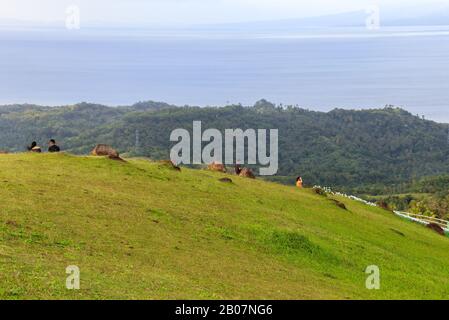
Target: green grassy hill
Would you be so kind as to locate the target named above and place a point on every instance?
(376, 151)
(141, 230)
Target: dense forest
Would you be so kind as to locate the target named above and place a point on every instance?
(365, 151)
(428, 196)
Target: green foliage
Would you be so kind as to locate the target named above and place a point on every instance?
(438, 184)
(374, 151)
(428, 196)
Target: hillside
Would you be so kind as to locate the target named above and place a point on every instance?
(366, 151)
(141, 230)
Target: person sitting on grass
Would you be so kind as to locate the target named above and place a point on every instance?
(52, 147)
(299, 182)
(238, 169)
(34, 147)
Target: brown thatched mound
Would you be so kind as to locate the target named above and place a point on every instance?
(247, 173)
(339, 204)
(216, 167)
(436, 228)
(107, 151)
(104, 150)
(382, 204)
(320, 191)
(226, 180)
(169, 164)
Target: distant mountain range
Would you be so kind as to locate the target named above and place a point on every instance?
(429, 15)
(415, 16)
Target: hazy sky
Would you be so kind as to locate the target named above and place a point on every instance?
(138, 12)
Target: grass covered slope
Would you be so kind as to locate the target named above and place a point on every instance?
(141, 230)
(357, 151)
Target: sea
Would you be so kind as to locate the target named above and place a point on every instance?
(322, 69)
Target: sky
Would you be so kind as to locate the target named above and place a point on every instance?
(182, 12)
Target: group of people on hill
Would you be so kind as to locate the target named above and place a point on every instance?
(52, 147)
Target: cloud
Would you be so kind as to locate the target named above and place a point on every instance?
(185, 11)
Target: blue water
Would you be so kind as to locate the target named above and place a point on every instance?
(319, 72)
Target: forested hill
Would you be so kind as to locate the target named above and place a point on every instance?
(342, 148)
